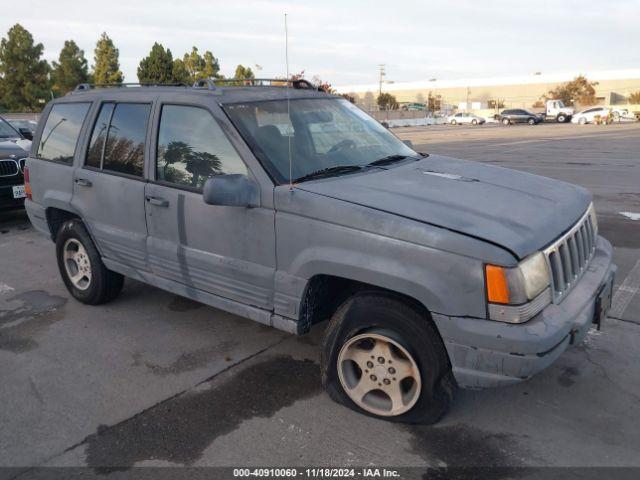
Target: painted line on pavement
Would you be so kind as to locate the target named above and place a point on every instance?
(625, 293)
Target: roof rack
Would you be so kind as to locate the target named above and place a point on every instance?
(211, 84)
(301, 83)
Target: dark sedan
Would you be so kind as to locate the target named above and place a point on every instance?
(12, 161)
(518, 115)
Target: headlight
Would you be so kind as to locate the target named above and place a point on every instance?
(517, 294)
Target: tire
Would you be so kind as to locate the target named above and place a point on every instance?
(582, 121)
(506, 121)
(474, 122)
(454, 122)
(561, 118)
(77, 254)
(413, 337)
(531, 121)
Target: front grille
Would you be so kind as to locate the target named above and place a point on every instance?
(570, 255)
(8, 168)
(22, 163)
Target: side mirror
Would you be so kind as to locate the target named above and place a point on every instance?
(408, 143)
(26, 133)
(231, 190)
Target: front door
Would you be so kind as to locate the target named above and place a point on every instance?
(108, 189)
(227, 251)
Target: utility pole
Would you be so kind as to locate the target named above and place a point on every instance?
(383, 73)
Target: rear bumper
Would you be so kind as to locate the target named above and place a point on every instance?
(37, 216)
(486, 353)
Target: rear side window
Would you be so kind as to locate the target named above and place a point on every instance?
(192, 147)
(60, 134)
(118, 138)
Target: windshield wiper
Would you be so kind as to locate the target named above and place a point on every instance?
(389, 159)
(328, 172)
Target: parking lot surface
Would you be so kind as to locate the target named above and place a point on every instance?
(155, 379)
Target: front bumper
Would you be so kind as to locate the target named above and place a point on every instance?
(6, 198)
(485, 353)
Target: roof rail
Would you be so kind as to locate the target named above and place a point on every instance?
(88, 86)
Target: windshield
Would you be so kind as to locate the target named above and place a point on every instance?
(323, 132)
(7, 131)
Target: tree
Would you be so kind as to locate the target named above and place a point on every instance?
(24, 83)
(180, 73)
(157, 67)
(579, 90)
(244, 72)
(70, 69)
(201, 67)
(106, 69)
(634, 97)
(434, 102)
(386, 101)
(368, 101)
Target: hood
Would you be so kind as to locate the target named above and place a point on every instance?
(515, 210)
(10, 147)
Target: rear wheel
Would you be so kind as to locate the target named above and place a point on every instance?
(506, 121)
(454, 122)
(474, 122)
(81, 267)
(384, 358)
(582, 121)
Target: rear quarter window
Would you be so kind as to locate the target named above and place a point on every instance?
(60, 133)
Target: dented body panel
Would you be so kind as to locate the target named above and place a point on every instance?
(423, 228)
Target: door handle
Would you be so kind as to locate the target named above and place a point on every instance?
(83, 182)
(157, 201)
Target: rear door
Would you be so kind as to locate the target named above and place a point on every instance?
(227, 251)
(109, 187)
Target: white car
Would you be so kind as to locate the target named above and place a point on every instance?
(460, 118)
(588, 115)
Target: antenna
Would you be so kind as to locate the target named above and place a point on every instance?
(286, 55)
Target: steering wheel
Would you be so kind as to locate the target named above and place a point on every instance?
(347, 143)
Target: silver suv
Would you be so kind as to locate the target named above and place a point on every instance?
(291, 206)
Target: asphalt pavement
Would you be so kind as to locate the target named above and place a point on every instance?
(156, 379)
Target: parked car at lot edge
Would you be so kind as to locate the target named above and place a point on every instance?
(462, 118)
(590, 114)
(414, 106)
(433, 272)
(26, 127)
(517, 115)
(13, 154)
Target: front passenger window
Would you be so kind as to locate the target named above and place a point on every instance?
(192, 147)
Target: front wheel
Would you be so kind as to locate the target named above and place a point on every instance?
(531, 121)
(453, 122)
(582, 121)
(384, 358)
(561, 118)
(506, 121)
(474, 122)
(81, 267)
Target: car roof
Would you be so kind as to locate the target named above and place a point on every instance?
(222, 94)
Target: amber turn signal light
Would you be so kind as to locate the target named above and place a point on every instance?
(497, 287)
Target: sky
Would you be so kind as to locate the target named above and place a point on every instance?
(344, 41)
